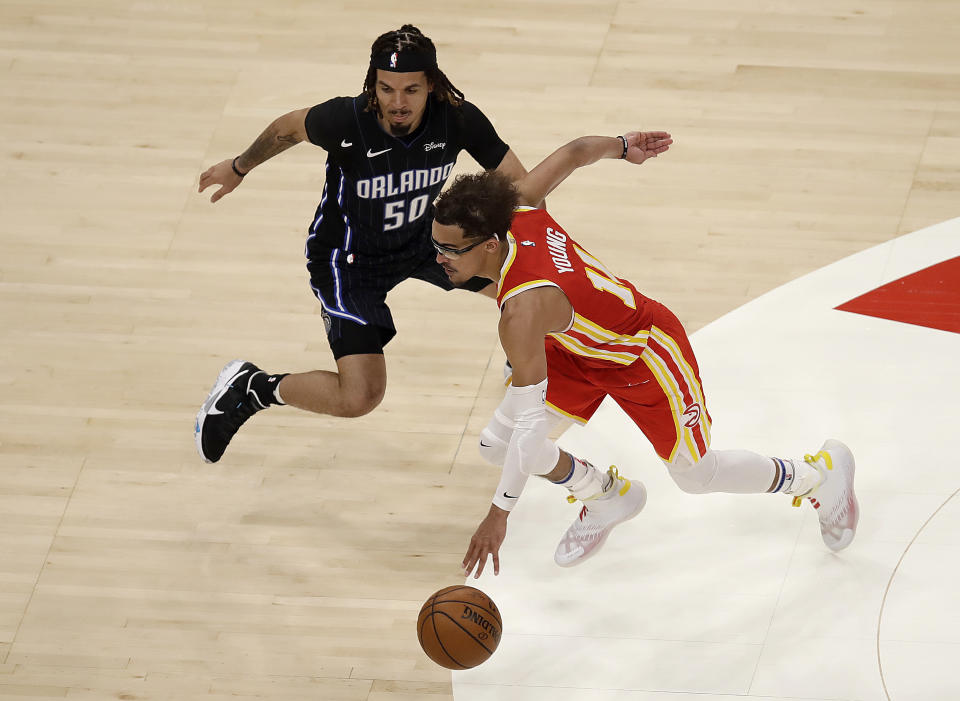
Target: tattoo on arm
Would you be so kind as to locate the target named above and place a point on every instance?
(268, 144)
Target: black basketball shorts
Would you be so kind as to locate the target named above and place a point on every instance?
(353, 291)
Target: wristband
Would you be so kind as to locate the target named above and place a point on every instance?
(622, 155)
(236, 170)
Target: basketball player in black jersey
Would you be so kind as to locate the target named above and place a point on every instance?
(389, 153)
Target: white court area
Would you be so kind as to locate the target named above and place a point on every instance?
(720, 596)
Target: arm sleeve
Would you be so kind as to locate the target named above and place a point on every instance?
(530, 451)
(323, 122)
(481, 139)
(511, 485)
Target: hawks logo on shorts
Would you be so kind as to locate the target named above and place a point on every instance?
(692, 415)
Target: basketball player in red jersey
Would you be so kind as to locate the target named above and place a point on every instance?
(574, 333)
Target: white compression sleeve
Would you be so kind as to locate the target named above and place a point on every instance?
(530, 451)
(731, 471)
(508, 491)
(495, 438)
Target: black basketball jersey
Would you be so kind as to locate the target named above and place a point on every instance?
(379, 188)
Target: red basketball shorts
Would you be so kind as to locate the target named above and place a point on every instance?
(661, 391)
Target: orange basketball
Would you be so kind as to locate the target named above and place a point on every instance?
(459, 627)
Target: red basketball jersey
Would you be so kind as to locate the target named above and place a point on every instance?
(611, 319)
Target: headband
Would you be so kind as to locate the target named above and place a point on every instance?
(404, 61)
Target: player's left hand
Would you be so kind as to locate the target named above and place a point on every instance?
(486, 541)
(642, 145)
(221, 174)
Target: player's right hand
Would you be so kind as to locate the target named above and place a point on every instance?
(486, 541)
(221, 174)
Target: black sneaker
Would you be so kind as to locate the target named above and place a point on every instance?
(228, 405)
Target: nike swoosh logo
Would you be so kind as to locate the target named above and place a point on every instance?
(485, 445)
(371, 154)
(346, 143)
(510, 497)
(212, 408)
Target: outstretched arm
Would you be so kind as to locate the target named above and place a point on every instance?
(526, 318)
(556, 167)
(285, 131)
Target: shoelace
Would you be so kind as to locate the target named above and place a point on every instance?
(587, 531)
(812, 460)
(244, 409)
(842, 507)
(614, 474)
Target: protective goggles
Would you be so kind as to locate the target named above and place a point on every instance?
(454, 253)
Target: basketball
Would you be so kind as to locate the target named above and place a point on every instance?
(459, 627)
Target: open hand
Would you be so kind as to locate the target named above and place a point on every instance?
(486, 541)
(642, 145)
(221, 174)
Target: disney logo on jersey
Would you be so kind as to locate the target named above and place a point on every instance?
(432, 145)
(393, 184)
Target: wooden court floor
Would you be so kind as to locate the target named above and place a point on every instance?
(295, 567)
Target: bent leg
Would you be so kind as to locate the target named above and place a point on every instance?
(356, 389)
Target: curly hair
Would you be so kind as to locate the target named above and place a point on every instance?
(409, 38)
(481, 204)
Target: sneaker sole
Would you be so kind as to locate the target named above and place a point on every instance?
(603, 539)
(219, 387)
(840, 449)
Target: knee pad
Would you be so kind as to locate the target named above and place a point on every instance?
(694, 478)
(495, 438)
(492, 448)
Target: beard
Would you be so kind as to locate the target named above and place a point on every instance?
(399, 129)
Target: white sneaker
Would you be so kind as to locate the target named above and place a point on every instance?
(834, 498)
(620, 501)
